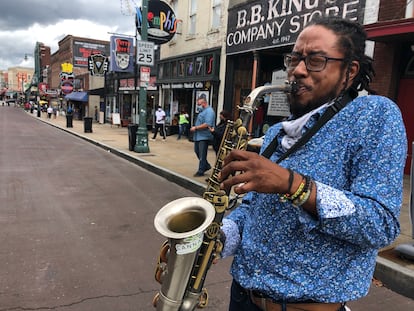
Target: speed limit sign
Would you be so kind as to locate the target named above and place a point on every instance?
(145, 55)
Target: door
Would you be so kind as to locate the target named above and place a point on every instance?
(404, 101)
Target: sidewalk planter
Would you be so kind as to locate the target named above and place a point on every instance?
(87, 124)
(69, 120)
(132, 136)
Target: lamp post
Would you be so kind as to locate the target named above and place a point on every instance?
(141, 144)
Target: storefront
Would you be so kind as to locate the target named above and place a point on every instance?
(394, 59)
(183, 78)
(122, 97)
(257, 37)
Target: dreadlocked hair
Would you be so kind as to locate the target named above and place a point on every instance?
(352, 37)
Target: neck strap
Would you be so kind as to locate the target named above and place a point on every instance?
(327, 115)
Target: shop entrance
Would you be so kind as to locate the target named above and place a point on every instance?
(404, 101)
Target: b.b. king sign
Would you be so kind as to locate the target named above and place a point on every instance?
(264, 24)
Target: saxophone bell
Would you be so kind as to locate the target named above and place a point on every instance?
(183, 222)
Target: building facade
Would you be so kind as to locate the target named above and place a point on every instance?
(393, 34)
(258, 33)
(193, 61)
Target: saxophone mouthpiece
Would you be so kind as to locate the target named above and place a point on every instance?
(293, 87)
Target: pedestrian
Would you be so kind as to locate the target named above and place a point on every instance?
(159, 123)
(183, 123)
(218, 130)
(49, 112)
(202, 135)
(96, 113)
(311, 222)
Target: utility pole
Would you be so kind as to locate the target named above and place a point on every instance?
(141, 144)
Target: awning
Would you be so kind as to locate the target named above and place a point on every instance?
(77, 96)
(391, 31)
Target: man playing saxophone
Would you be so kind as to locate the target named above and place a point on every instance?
(308, 230)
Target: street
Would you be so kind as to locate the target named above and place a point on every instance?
(77, 224)
(77, 229)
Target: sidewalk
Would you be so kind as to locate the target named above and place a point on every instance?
(175, 160)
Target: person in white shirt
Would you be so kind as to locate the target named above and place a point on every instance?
(49, 112)
(159, 123)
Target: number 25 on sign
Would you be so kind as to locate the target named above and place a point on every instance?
(145, 55)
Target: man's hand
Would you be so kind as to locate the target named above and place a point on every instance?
(249, 171)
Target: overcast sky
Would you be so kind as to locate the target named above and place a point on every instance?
(24, 22)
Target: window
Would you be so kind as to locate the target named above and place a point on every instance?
(192, 17)
(216, 17)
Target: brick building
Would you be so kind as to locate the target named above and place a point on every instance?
(393, 35)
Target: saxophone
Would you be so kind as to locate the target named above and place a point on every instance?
(192, 224)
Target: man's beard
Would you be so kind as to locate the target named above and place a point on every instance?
(299, 109)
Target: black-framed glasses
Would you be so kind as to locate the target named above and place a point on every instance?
(313, 62)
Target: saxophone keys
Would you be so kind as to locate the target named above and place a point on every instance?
(203, 299)
(162, 262)
(155, 300)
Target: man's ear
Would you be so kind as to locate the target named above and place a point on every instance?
(353, 71)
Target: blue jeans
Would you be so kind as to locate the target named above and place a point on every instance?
(182, 130)
(200, 149)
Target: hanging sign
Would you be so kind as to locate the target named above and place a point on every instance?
(161, 20)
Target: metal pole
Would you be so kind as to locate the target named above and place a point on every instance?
(141, 144)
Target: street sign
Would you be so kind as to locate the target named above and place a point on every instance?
(145, 55)
(145, 75)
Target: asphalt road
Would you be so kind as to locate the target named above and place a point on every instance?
(76, 227)
(76, 224)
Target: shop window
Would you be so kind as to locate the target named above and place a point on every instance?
(181, 68)
(167, 71)
(189, 66)
(209, 64)
(174, 69)
(161, 71)
(199, 64)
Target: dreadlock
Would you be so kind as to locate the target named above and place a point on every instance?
(352, 37)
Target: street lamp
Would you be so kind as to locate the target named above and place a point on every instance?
(141, 144)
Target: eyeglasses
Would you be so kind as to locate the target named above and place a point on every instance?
(313, 62)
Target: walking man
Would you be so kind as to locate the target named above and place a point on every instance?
(202, 135)
(159, 123)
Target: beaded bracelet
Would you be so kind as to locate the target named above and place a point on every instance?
(288, 196)
(304, 197)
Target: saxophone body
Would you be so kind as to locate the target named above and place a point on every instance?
(192, 225)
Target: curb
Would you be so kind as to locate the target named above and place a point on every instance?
(396, 277)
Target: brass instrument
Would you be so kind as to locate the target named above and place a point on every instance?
(185, 257)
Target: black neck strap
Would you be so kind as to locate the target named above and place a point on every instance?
(328, 114)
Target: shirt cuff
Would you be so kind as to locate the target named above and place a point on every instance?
(332, 203)
(231, 231)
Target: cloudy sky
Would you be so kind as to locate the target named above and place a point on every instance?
(24, 22)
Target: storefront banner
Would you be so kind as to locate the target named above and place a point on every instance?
(185, 85)
(122, 54)
(82, 50)
(274, 23)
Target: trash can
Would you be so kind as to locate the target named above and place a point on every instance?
(69, 119)
(132, 135)
(87, 124)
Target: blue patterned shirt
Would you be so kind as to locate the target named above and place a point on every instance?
(356, 161)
